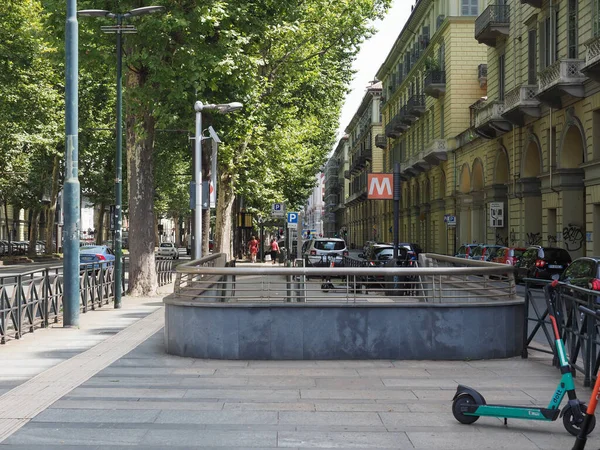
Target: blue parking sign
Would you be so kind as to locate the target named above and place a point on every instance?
(292, 217)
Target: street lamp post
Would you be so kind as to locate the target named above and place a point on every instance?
(199, 107)
(119, 29)
(71, 187)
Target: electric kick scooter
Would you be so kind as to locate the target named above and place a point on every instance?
(590, 419)
(469, 405)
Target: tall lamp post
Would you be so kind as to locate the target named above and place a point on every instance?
(223, 108)
(119, 29)
(71, 187)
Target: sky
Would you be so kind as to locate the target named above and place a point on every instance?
(371, 56)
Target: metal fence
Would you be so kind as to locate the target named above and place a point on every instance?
(578, 331)
(33, 299)
(439, 280)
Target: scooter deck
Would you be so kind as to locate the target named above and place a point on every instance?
(512, 412)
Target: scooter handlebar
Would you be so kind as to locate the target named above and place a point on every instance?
(589, 311)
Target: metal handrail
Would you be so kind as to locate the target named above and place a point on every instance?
(219, 282)
(33, 299)
(578, 331)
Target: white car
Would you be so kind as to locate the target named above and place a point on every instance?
(168, 250)
(322, 252)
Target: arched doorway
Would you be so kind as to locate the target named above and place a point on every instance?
(572, 189)
(465, 203)
(497, 198)
(531, 195)
(478, 205)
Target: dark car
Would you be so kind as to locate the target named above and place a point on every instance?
(542, 262)
(380, 256)
(484, 252)
(583, 272)
(509, 255)
(413, 249)
(464, 251)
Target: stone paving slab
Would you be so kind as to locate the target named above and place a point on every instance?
(154, 401)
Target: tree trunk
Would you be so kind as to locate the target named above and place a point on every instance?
(156, 232)
(33, 233)
(140, 141)
(177, 234)
(51, 245)
(99, 225)
(224, 223)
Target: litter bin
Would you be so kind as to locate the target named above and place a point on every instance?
(282, 255)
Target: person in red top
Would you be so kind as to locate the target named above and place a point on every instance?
(274, 250)
(253, 248)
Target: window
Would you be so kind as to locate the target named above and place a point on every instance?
(548, 41)
(501, 77)
(442, 56)
(442, 122)
(532, 58)
(469, 7)
(572, 29)
(596, 17)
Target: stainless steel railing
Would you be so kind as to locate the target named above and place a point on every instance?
(438, 280)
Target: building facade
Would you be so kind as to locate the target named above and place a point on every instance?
(336, 187)
(364, 217)
(312, 220)
(435, 71)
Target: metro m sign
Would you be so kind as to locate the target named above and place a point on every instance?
(380, 186)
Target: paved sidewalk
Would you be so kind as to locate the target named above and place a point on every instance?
(148, 399)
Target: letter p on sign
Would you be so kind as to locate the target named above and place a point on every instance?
(380, 186)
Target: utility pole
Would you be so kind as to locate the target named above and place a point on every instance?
(396, 208)
(71, 184)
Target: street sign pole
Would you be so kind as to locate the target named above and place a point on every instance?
(396, 208)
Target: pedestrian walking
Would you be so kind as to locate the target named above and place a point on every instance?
(253, 248)
(274, 250)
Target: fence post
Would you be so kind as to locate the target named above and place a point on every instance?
(19, 306)
(524, 353)
(45, 290)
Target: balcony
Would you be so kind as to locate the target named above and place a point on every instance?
(482, 75)
(406, 118)
(592, 59)
(416, 105)
(381, 141)
(437, 151)
(390, 129)
(418, 164)
(534, 3)
(402, 123)
(489, 123)
(562, 77)
(347, 174)
(521, 103)
(493, 23)
(435, 83)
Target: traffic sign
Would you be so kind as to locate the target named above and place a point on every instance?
(450, 220)
(380, 186)
(292, 220)
(278, 210)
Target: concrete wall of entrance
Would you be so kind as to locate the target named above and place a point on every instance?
(332, 331)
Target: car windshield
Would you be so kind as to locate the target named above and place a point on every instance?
(329, 245)
(556, 253)
(476, 251)
(166, 244)
(91, 250)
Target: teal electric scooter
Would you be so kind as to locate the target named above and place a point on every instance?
(469, 405)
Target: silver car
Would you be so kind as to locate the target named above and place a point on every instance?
(323, 251)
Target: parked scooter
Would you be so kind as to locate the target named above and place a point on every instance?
(590, 418)
(468, 404)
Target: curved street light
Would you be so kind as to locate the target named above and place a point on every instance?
(119, 29)
(222, 108)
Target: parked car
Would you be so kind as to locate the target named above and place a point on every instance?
(322, 252)
(583, 272)
(484, 252)
(380, 256)
(509, 255)
(542, 262)
(93, 255)
(413, 250)
(464, 251)
(168, 250)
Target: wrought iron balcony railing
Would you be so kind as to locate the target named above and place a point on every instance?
(494, 22)
(434, 84)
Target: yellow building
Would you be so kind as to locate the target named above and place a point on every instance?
(364, 217)
(336, 187)
(536, 129)
(434, 72)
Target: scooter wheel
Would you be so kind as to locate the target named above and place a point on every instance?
(569, 421)
(456, 409)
